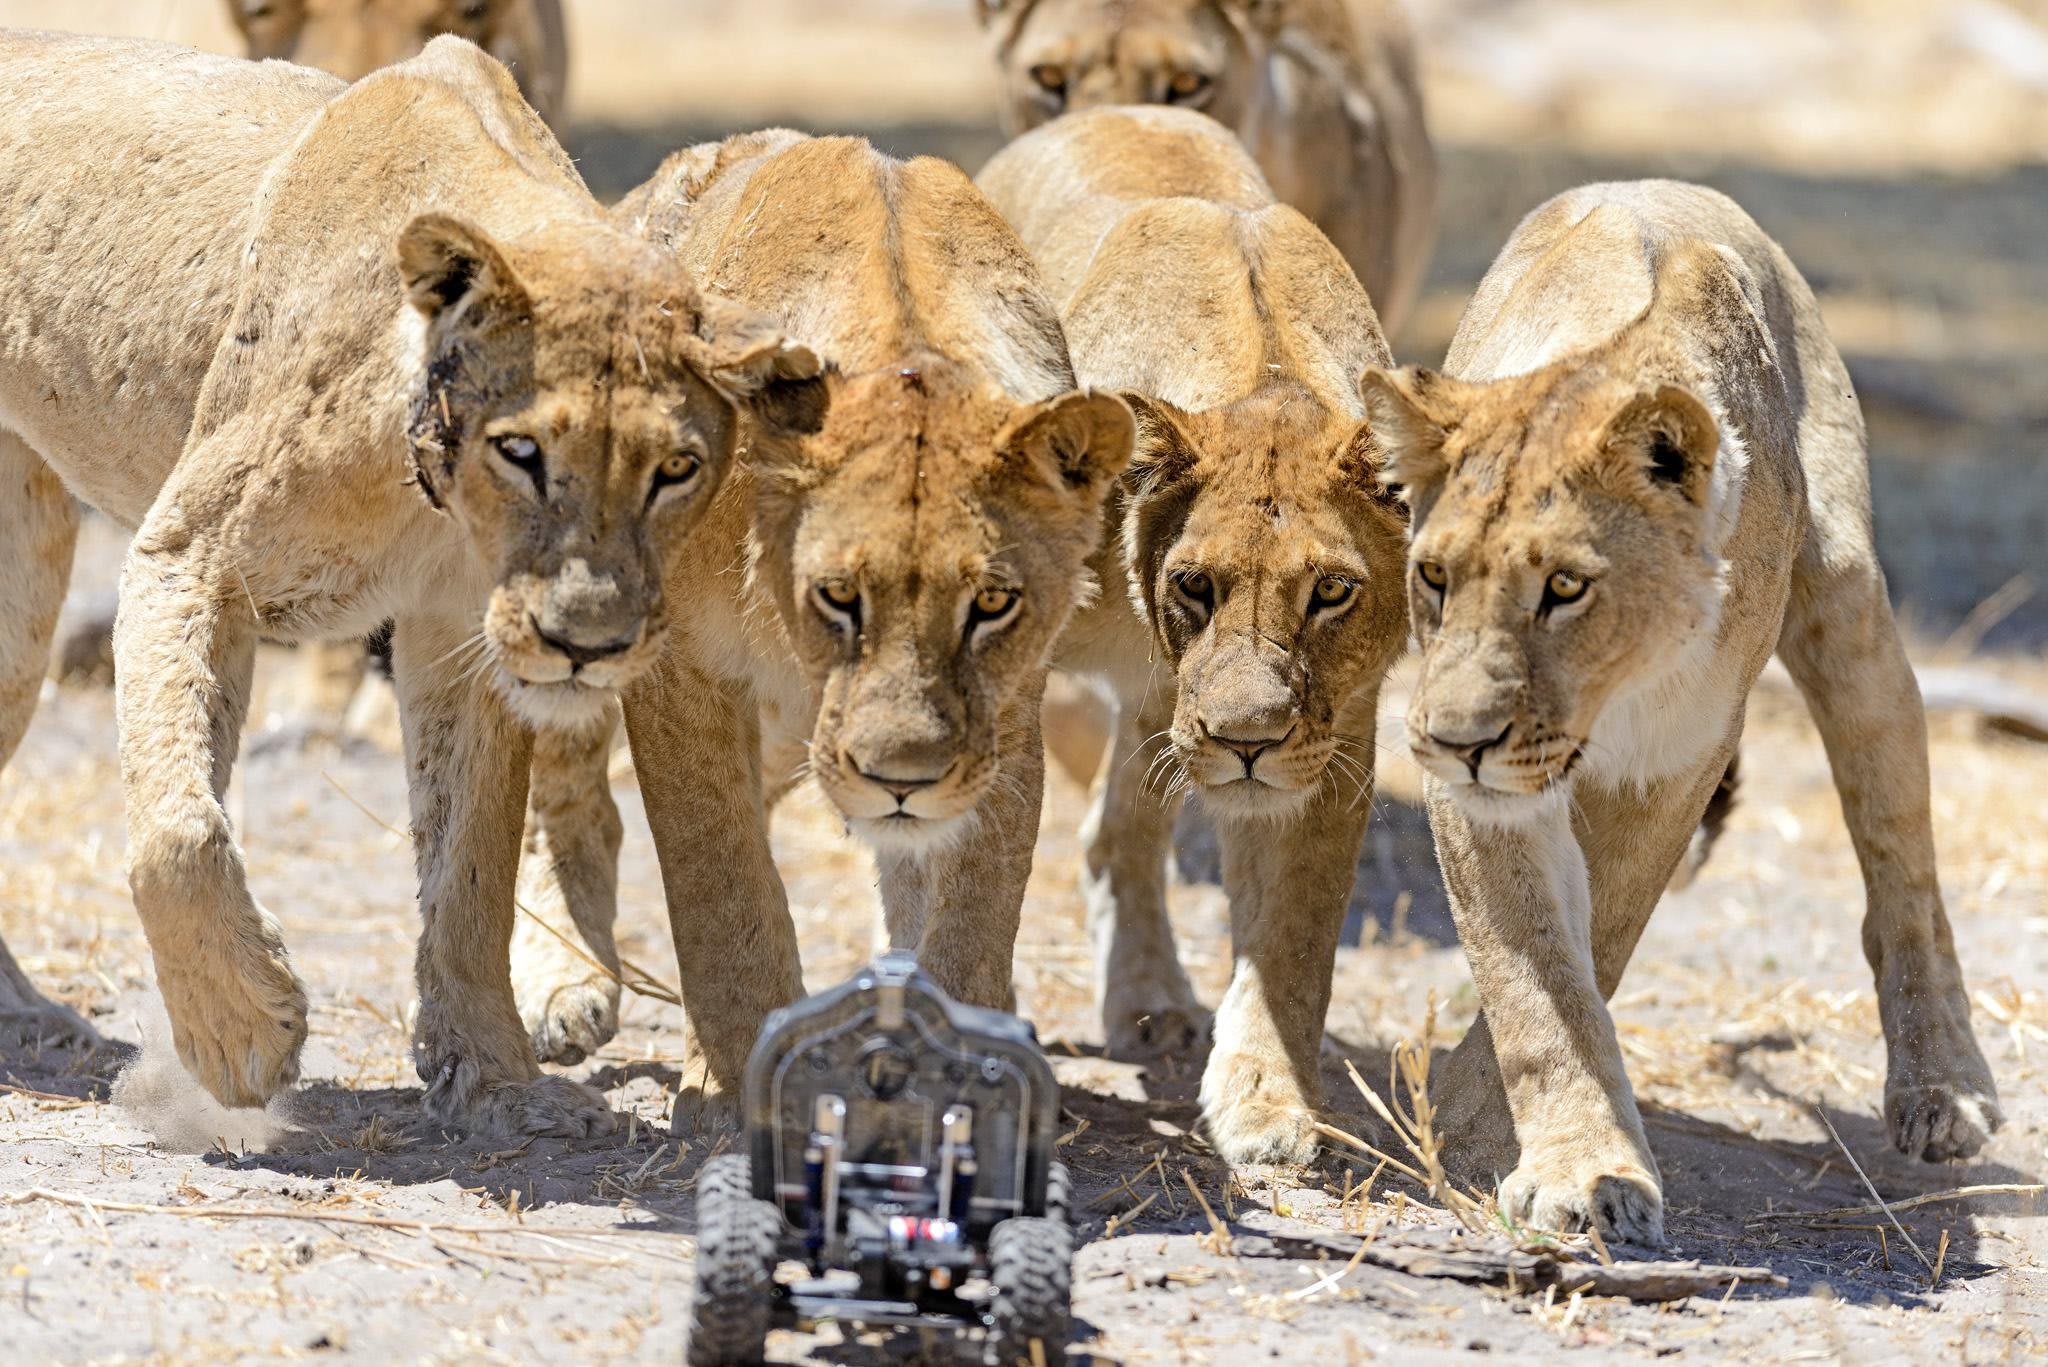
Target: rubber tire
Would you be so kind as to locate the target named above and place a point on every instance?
(1031, 1263)
(1059, 1194)
(738, 1241)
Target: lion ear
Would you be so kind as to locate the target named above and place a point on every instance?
(1163, 453)
(1411, 412)
(1362, 463)
(450, 266)
(780, 382)
(1077, 442)
(1669, 436)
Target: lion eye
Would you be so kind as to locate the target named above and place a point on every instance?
(1187, 86)
(990, 604)
(677, 469)
(1563, 587)
(1333, 591)
(1432, 574)
(1051, 79)
(523, 454)
(839, 601)
(1197, 590)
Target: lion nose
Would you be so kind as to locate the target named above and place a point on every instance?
(1467, 749)
(579, 653)
(1250, 748)
(898, 788)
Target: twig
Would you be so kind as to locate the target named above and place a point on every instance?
(1881, 1206)
(1122, 1218)
(423, 1227)
(1928, 1199)
(1219, 1233)
(1459, 1256)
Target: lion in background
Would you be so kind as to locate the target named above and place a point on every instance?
(352, 38)
(1324, 94)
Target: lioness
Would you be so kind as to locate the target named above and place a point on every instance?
(1264, 562)
(1643, 472)
(886, 573)
(322, 398)
(352, 38)
(1324, 93)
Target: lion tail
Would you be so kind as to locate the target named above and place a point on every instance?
(1709, 829)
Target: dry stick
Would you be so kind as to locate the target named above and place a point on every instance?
(1218, 1231)
(1927, 1199)
(1887, 1210)
(1122, 1218)
(422, 1227)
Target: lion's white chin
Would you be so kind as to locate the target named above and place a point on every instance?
(1247, 799)
(563, 706)
(1504, 811)
(912, 837)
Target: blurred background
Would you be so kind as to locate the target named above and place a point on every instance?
(1898, 148)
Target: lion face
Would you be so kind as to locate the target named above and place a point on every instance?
(1062, 55)
(925, 546)
(1561, 557)
(1268, 562)
(574, 412)
(352, 38)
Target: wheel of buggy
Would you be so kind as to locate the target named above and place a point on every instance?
(1031, 1263)
(1059, 1194)
(737, 1238)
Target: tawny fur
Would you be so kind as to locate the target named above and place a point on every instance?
(1324, 93)
(282, 328)
(1255, 471)
(1643, 398)
(885, 580)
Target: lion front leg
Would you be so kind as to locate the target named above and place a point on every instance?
(697, 751)
(184, 649)
(466, 760)
(1148, 1006)
(1521, 898)
(565, 964)
(959, 906)
(1289, 886)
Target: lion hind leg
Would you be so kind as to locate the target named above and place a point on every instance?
(38, 530)
(1842, 647)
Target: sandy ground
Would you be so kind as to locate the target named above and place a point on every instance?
(1893, 146)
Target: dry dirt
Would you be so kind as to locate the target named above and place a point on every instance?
(1892, 145)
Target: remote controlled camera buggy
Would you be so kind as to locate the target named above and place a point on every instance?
(899, 1146)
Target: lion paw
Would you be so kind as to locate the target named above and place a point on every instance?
(1142, 1026)
(1253, 1113)
(238, 1028)
(543, 1107)
(46, 1024)
(1622, 1200)
(570, 1022)
(1939, 1100)
(1940, 1121)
